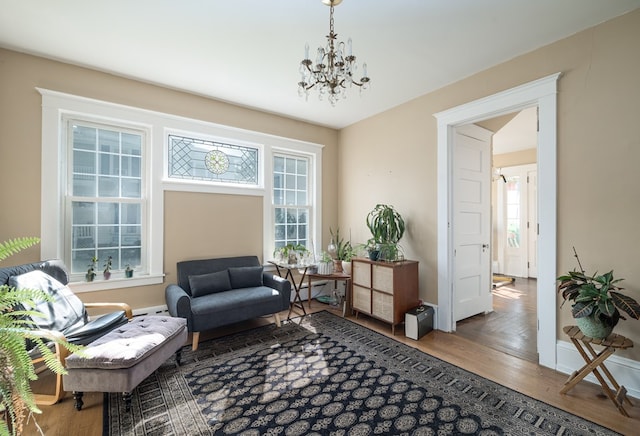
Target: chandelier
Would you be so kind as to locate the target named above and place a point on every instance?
(334, 67)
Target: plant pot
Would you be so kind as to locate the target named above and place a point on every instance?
(346, 267)
(337, 266)
(107, 275)
(89, 276)
(325, 268)
(593, 327)
(128, 273)
(373, 254)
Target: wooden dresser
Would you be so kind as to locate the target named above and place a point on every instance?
(384, 290)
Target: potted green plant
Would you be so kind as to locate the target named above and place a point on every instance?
(108, 264)
(344, 252)
(128, 271)
(387, 228)
(597, 301)
(16, 331)
(325, 263)
(91, 272)
(290, 253)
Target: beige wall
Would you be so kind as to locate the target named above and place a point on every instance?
(391, 157)
(196, 225)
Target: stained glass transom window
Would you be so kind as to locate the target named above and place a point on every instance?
(206, 160)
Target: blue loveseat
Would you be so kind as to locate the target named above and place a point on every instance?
(215, 292)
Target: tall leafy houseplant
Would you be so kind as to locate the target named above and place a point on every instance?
(387, 228)
(16, 330)
(597, 301)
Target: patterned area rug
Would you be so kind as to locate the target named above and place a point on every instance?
(325, 375)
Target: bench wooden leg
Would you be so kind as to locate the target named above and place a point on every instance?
(277, 318)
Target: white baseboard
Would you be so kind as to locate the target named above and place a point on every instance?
(154, 310)
(625, 371)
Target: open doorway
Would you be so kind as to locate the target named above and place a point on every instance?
(543, 94)
(511, 325)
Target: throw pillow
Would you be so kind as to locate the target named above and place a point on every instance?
(245, 276)
(210, 283)
(63, 312)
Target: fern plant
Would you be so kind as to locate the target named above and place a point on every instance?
(17, 330)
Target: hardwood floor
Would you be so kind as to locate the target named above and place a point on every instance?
(585, 400)
(511, 327)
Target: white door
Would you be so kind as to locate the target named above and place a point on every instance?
(471, 221)
(532, 227)
(518, 222)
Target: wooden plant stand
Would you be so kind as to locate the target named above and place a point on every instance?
(594, 360)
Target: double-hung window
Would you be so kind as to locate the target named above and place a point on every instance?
(292, 205)
(105, 196)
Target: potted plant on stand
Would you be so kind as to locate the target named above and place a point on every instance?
(344, 252)
(325, 264)
(597, 301)
(387, 228)
(290, 253)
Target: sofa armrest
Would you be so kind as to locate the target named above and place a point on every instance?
(178, 303)
(283, 286)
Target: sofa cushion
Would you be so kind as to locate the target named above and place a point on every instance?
(245, 276)
(205, 284)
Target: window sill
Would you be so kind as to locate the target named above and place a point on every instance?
(115, 283)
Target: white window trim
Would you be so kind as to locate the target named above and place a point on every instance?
(57, 108)
(314, 153)
(56, 105)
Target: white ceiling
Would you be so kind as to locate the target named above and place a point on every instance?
(247, 51)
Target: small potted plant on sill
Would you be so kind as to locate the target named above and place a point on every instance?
(91, 272)
(107, 268)
(596, 301)
(128, 271)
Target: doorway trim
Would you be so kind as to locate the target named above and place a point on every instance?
(543, 94)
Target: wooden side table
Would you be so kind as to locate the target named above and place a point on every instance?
(594, 360)
(335, 277)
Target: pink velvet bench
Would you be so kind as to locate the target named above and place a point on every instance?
(124, 357)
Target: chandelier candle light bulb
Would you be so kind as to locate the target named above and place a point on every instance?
(332, 71)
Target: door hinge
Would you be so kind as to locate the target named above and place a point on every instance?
(527, 224)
